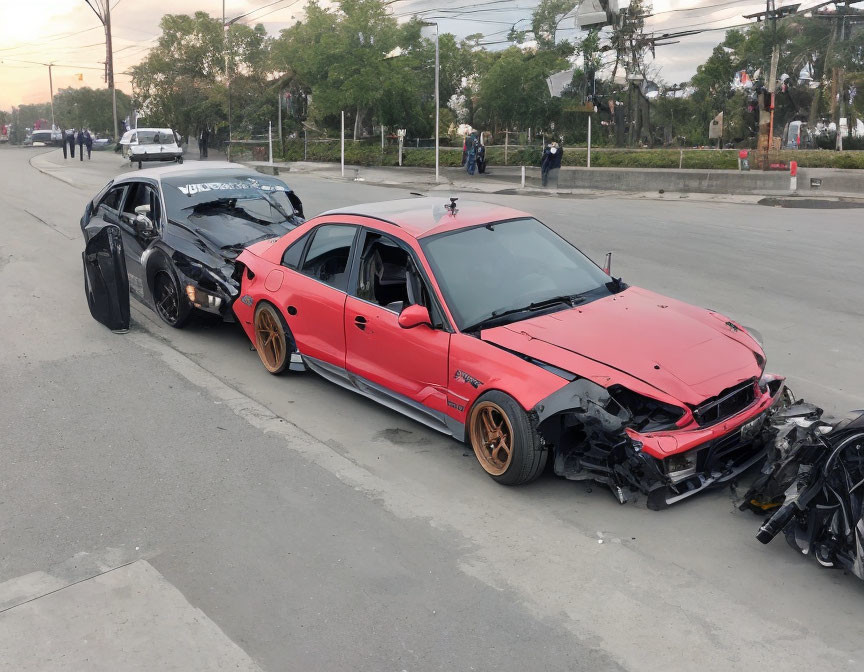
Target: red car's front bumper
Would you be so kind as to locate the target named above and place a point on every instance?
(693, 458)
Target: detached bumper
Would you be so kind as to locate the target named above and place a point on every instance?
(162, 156)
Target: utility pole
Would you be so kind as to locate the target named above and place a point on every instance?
(51, 86)
(104, 15)
(766, 108)
(225, 29)
(841, 85)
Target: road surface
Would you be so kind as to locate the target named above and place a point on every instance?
(282, 523)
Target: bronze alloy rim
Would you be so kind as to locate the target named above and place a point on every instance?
(492, 437)
(269, 339)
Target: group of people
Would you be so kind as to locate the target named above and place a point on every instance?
(474, 158)
(82, 138)
(474, 153)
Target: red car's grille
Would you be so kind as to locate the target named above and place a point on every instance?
(726, 404)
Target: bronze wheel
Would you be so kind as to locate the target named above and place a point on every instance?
(271, 342)
(505, 441)
(492, 437)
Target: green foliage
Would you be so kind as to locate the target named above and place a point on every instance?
(89, 108)
(181, 83)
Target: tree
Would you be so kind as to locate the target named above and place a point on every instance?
(514, 92)
(340, 56)
(89, 108)
(181, 83)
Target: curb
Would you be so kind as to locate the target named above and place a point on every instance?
(52, 171)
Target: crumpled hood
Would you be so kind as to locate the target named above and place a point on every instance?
(224, 232)
(687, 352)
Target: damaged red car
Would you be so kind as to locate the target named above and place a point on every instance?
(481, 322)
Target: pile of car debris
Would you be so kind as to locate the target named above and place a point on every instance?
(812, 485)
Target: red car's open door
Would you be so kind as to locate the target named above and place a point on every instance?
(105, 282)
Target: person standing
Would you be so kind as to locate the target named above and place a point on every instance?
(205, 140)
(88, 142)
(471, 146)
(63, 139)
(550, 164)
(481, 155)
(79, 139)
(71, 138)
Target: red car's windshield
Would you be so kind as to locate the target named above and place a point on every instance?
(487, 271)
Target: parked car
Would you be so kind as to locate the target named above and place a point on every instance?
(151, 144)
(482, 323)
(179, 230)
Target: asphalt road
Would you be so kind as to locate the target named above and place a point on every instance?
(320, 531)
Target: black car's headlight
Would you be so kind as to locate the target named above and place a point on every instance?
(201, 299)
(646, 414)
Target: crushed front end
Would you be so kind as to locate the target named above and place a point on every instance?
(666, 451)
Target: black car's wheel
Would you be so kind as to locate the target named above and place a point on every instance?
(508, 448)
(272, 342)
(171, 304)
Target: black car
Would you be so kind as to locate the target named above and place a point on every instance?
(177, 231)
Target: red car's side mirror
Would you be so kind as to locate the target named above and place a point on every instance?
(414, 316)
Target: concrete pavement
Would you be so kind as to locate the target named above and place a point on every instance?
(320, 531)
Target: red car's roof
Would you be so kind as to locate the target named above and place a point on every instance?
(421, 217)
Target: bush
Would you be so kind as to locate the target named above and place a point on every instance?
(370, 154)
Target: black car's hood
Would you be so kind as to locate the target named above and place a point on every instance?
(229, 235)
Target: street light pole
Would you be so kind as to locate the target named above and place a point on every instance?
(437, 101)
(437, 105)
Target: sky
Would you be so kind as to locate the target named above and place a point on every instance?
(68, 33)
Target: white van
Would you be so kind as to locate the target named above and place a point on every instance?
(151, 144)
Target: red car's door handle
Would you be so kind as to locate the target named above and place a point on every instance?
(360, 322)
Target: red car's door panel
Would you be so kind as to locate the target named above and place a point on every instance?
(410, 362)
(315, 314)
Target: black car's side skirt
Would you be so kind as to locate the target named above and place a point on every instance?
(393, 400)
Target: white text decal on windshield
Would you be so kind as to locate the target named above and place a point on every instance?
(190, 189)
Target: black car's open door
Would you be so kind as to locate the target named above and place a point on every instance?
(105, 282)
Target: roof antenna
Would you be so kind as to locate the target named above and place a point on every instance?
(452, 207)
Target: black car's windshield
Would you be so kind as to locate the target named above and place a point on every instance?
(504, 272)
(259, 200)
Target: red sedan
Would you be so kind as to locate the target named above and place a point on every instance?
(481, 322)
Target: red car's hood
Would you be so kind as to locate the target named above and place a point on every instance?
(687, 352)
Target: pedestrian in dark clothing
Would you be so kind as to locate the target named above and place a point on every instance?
(80, 140)
(471, 145)
(203, 140)
(88, 142)
(481, 156)
(65, 143)
(71, 138)
(550, 164)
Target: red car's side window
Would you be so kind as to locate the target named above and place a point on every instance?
(294, 253)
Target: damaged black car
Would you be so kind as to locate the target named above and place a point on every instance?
(180, 229)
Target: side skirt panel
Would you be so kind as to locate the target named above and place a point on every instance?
(397, 402)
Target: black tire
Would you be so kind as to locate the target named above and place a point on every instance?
(170, 301)
(497, 424)
(273, 341)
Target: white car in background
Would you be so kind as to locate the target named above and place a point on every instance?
(151, 144)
